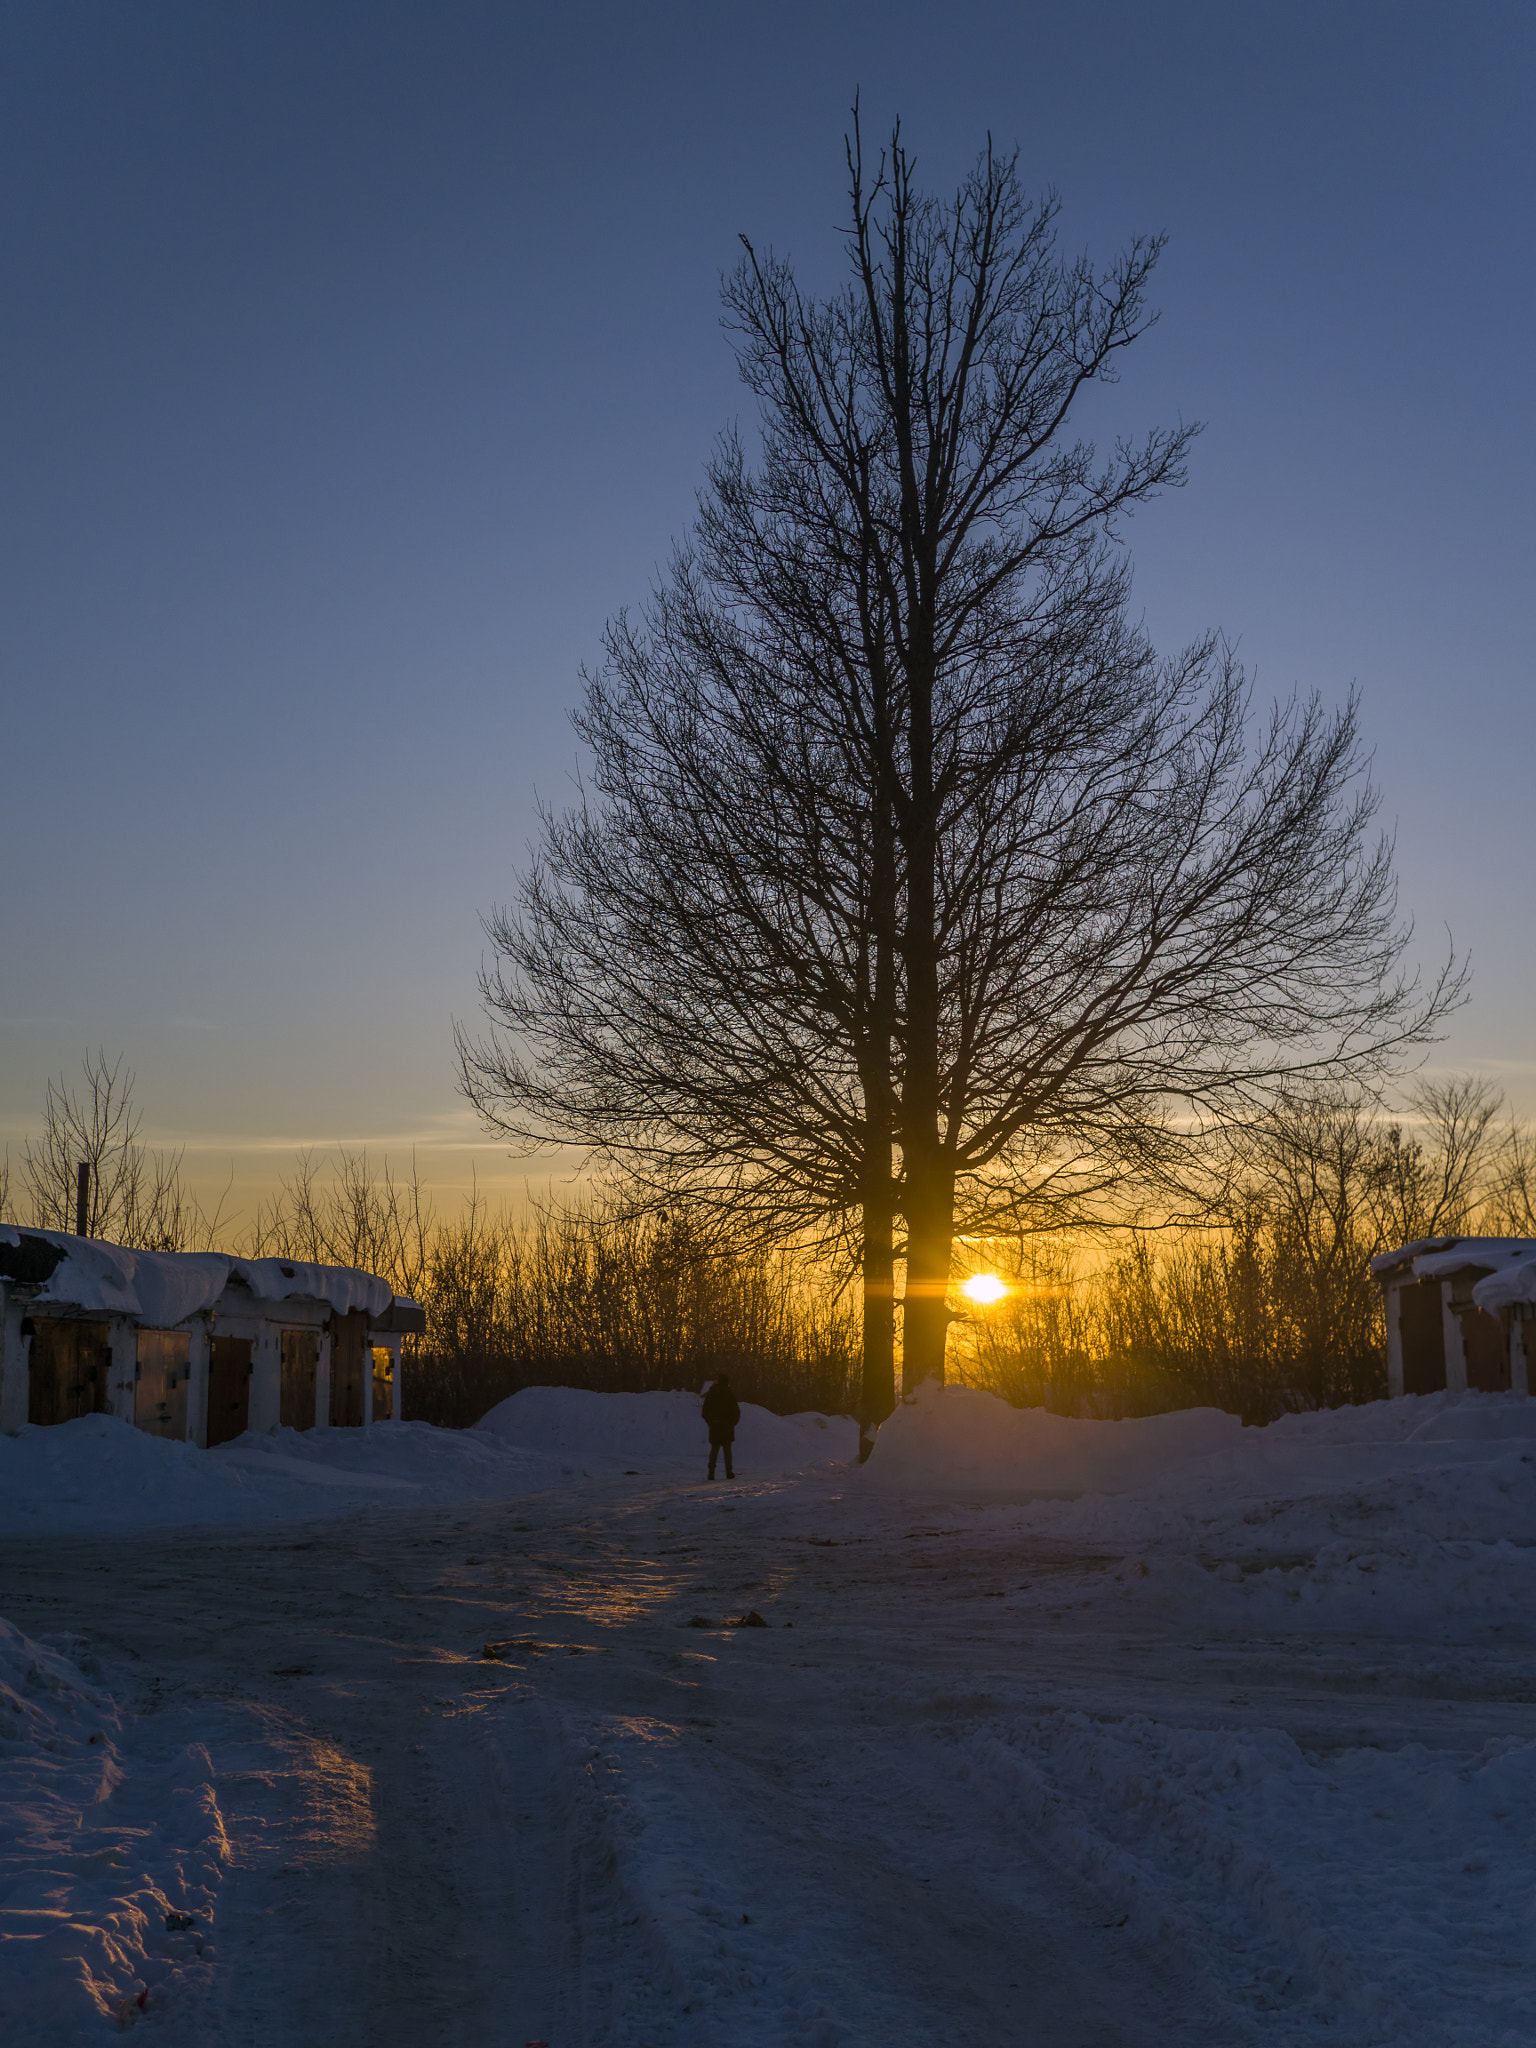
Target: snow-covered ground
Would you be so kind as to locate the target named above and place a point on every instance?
(660, 1435)
(1057, 1733)
(98, 1473)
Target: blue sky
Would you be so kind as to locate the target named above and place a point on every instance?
(356, 361)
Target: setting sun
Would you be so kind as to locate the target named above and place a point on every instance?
(984, 1287)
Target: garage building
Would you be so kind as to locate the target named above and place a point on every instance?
(1461, 1314)
(195, 1346)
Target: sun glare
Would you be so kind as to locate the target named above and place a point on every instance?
(984, 1287)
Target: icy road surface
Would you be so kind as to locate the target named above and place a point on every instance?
(978, 1781)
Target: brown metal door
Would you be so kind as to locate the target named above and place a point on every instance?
(1421, 1326)
(1486, 1349)
(349, 1348)
(301, 1358)
(160, 1383)
(70, 1366)
(229, 1388)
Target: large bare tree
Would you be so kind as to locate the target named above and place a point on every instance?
(911, 883)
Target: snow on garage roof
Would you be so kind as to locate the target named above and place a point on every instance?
(164, 1288)
(1509, 1266)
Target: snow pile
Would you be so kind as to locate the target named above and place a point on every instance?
(1378, 1886)
(1410, 1551)
(87, 1874)
(661, 1435)
(98, 1473)
(1514, 1283)
(1391, 1514)
(161, 1289)
(973, 1446)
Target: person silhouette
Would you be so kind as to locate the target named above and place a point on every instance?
(722, 1412)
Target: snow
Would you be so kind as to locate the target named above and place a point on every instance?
(1510, 1280)
(162, 1289)
(1407, 1254)
(344, 1288)
(1514, 1282)
(661, 1434)
(1157, 1732)
(89, 1873)
(1415, 1864)
(974, 1447)
(98, 1473)
(1421, 1509)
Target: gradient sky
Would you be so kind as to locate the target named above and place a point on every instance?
(357, 360)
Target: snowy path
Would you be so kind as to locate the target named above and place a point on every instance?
(984, 1789)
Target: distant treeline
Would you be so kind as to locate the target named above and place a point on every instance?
(1265, 1306)
(1269, 1307)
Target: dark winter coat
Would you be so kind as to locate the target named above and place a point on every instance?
(722, 1411)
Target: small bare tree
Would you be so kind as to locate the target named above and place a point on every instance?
(135, 1196)
(97, 1128)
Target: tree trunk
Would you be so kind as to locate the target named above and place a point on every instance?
(878, 1397)
(926, 1163)
(930, 1206)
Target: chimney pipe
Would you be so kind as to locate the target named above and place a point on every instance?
(82, 1197)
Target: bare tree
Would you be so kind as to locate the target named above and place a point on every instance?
(1513, 1197)
(371, 1219)
(901, 833)
(135, 1196)
(97, 1128)
(1433, 1176)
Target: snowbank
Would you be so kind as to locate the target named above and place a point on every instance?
(972, 1446)
(1392, 1514)
(661, 1435)
(89, 1874)
(1384, 1889)
(97, 1473)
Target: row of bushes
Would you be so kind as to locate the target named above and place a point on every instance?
(588, 1297)
(1270, 1307)
(1235, 1319)
(1267, 1306)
